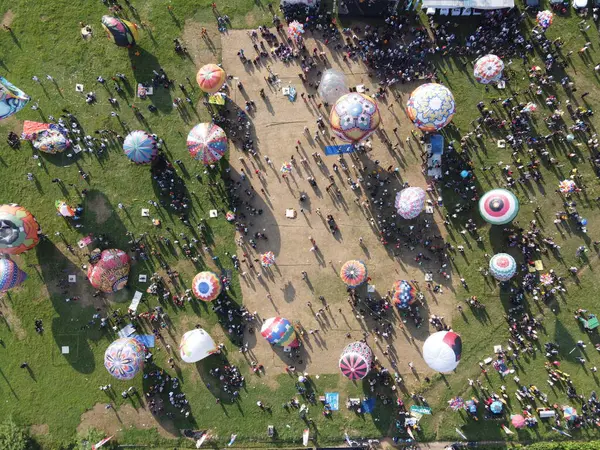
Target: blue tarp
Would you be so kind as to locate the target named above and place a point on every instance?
(368, 405)
(337, 149)
(146, 339)
(437, 144)
(333, 400)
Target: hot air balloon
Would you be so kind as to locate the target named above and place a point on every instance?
(196, 345)
(267, 259)
(46, 137)
(124, 358)
(410, 202)
(442, 351)
(64, 209)
(544, 19)
(431, 107)
(488, 69)
(207, 143)
(140, 147)
(109, 270)
(19, 231)
(332, 86)
(10, 274)
(353, 273)
(403, 294)
(12, 99)
(210, 78)
(121, 32)
(356, 360)
(354, 117)
(498, 206)
(280, 332)
(206, 286)
(295, 29)
(503, 266)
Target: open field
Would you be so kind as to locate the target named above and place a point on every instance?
(59, 399)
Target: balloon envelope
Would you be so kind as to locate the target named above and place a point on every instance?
(140, 147)
(503, 266)
(109, 272)
(410, 202)
(431, 107)
(403, 294)
(354, 117)
(12, 99)
(488, 69)
(332, 86)
(498, 206)
(353, 273)
(356, 360)
(46, 137)
(279, 331)
(442, 351)
(121, 32)
(64, 209)
(196, 345)
(19, 231)
(210, 78)
(124, 358)
(206, 286)
(207, 143)
(10, 274)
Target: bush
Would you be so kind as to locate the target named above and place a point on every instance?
(567, 445)
(13, 437)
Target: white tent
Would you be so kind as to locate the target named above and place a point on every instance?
(476, 4)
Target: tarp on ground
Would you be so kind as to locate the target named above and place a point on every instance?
(335, 150)
(475, 4)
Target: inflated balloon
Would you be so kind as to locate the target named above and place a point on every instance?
(356, 360)
(206, 286)
(410, 202)
(431, 107)
(442, 351)
(109, 270)
(140, 147)
(121, 32)
(279, 331)
(124, 358)
(353, 273)
(354, 117)
(10, 274)
(503, 266)
(12, 99)
(498, 206)
(207, 143)
(404, 294)
(46, 137)
(488, 69)
(196, 345)
(210, 78)
(332, 86)
(19, 231)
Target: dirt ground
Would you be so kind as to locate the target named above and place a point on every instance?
(112, 421)
(279, 124)
(7, 18)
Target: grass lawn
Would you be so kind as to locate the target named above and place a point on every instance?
(45, 40)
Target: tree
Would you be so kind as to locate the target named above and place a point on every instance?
(12, 436)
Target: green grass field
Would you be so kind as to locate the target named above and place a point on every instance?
(45, 40)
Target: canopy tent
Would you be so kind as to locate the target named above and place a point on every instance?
(475, 4)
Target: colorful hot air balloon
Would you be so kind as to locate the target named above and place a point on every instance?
(210, 78)
(140, 147)
(109, 270)
(295, 29)
(410, 202)
(544, 19)
(196, 345)
(280, 332)
(19, 231)
(431, 107)
(267, 259)
(10, 274)
(121, 32)
(488, 69)
(64, 209)
(12, 99)
(404, 294)
(356, 360)
(332, 86)
(206, 286)
(207, 143)
(442, 351)
(354, 117)
(353, 273)
(503, 266)
(124, 358)
(498, 206)
(46, 137)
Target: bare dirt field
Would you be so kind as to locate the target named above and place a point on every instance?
(279, 126)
